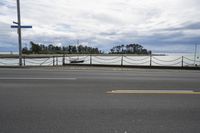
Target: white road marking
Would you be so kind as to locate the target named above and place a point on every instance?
(152, 92)
(30, 78)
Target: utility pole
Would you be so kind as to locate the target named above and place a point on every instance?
(19, 32)
(18, 26)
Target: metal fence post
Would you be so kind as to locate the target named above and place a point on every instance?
(63, 59)
(122, 60)
(53, 61)
(90, 59)
(150, 60)
(24, 61)
(56, 60)
(182, 62)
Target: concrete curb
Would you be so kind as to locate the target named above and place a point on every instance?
(132, 66)
(108, 66)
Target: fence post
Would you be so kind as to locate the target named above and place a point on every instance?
(150, 60)
(53, 61)
(56, 60)
(63, 59)
(122, 60)
(182, 62)
(24, 61)
(90, 59)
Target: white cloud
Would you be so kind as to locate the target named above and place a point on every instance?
(101, 22)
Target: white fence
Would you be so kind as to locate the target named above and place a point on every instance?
(118, 60)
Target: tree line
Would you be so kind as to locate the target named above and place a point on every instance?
(129, 49)
(80, 49)
(52, 49)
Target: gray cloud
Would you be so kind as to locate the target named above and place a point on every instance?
(185, 26)
(7, 4)
(103, 23)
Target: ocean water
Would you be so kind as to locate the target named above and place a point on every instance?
(11, 52)
(170, 59)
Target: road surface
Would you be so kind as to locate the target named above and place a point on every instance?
(75, 100)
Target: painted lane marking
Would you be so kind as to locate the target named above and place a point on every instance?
(26, 78)
(183, 92)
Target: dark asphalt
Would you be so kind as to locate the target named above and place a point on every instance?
(74, 100)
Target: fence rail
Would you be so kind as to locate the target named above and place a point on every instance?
(118, 60)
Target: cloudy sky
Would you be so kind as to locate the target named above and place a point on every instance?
(158, 25)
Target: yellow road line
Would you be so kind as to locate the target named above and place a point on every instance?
(177, 92)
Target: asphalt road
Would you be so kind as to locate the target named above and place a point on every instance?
(74, 100)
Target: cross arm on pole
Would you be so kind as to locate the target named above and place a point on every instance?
(22, 26)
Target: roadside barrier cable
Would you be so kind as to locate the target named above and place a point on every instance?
(32, 62)
(67, 58)
(71, 56)
(138, 63)
(45, 61)
(77, 56)
(14, 63)
(36, 63)
(3, 63)
(105, 62)
(167, 60)
(137, 59)
(188, 59)
(5, 60)
(9, 58)
(115, 61)
(39, 59)
(175, 64)
(79, 63)
(188, 63)
(49, 62)
(191, 59)
(87, 60)
(130, 63)
(106, 58)
(75, 59)
(59, 61)
(83, 58)
(8, 63)
(97, 62)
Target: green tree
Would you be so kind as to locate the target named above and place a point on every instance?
(35, 48)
